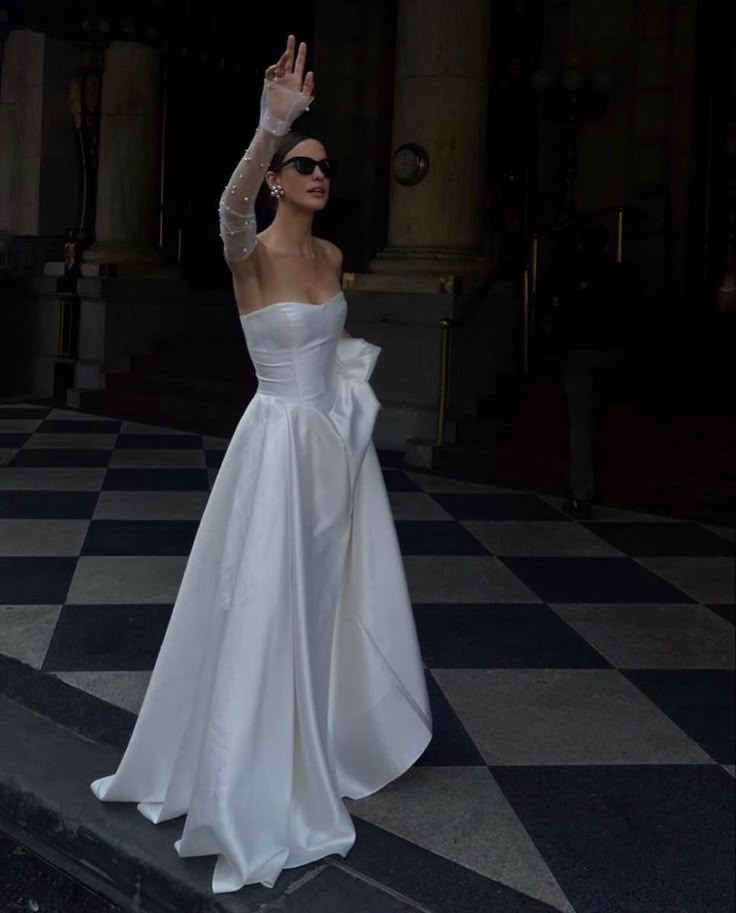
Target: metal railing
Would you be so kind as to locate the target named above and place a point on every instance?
(445, 330)
(447, 327)
(529, 282)
(530, 273)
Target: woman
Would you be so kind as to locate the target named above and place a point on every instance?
(289, 676)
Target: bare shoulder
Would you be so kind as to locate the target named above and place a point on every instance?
(333, 252)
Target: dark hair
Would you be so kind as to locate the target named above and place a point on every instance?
(286, 144)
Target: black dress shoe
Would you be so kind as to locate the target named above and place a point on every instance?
(578, 510)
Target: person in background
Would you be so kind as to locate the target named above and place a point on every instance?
(596, 298)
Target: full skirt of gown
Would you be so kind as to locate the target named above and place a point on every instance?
(289, 675)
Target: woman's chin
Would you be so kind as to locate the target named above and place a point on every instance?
(308, 204)
(316, 202)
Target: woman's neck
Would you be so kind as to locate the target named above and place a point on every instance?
(291, 232)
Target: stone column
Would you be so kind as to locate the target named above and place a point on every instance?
(30, 318)
(440, 99)
(129, 167)
(21, 131)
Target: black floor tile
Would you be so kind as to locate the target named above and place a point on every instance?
(159, 442)
(500, 637)
(725, 610)
(497, 507)
(631, 839)
(451, 746)
(79, 426)
(700, 701)
(391, 459)
(337, 891)
(437, 883)
(140, 537)
(48, 505)
(437, 537)
(156, 480)
(214, 458)
(13, 440)
(395, 480)
(607, 580)
(35, 581)
(662, 539)
(93, 638)
(43, 457)
(70, 707)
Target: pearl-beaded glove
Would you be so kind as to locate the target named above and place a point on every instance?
(280, 107)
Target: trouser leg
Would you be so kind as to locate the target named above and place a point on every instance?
(579, 392)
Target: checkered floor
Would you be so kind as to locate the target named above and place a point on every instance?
(581, 675)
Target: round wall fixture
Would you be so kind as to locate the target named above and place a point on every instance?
(409, 164)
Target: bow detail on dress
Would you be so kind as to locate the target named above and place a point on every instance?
(356, 358)
(355, 408)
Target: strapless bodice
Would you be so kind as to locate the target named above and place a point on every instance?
(301, 359)
(293, 346)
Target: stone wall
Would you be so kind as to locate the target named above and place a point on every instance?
(643, 151)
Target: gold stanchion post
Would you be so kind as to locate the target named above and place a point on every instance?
(444, 369)
(525, 319)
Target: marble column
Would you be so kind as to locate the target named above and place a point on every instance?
(440, 102)
(126, 229)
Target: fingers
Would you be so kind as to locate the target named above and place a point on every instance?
(278, 68)
(300, 59)
(289, 53)
(289, 65)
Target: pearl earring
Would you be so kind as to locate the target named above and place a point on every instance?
(277, 191)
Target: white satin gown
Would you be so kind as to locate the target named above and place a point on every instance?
(290, 674)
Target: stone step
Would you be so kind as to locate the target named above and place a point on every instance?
(203, 365)
(200, 387)
(57, 739)
(199, 415)
(46, 804)
(200, 345)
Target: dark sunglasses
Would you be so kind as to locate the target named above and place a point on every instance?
(303, 164)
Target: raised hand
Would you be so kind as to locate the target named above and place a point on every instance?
(286, 78)
(287, 93)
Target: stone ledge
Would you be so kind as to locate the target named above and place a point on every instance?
(47, 805)
(46, 802)
(440, 284)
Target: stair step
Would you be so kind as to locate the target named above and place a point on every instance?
(200, 346)
(204, 388)
(216, 367)
(171, 411)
